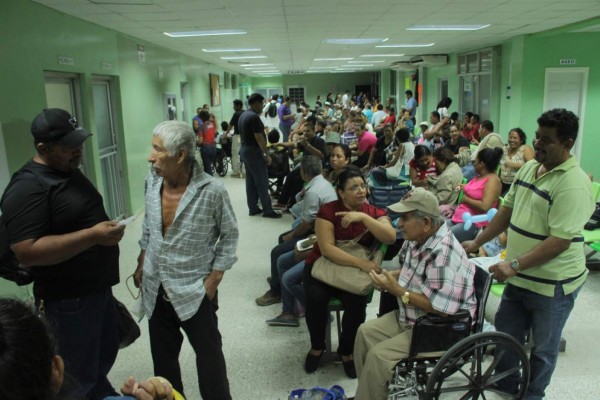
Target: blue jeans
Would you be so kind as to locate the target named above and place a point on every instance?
(285, 131)
(521, 310)
(276, 252)
(290, 272)
(461, 234)
(257, 179)
(87, 335)
(208, 153)
(468, 172)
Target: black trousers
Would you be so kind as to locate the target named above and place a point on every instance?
(317, 316)
(291, 187)
(204, 336)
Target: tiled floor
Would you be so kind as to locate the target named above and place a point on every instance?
(266, 363)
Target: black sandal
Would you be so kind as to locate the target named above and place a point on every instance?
(312, 362)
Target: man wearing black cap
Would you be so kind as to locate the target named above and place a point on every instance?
(256, 158)
(58, 227)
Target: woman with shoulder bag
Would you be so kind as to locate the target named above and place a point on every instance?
(348, 218)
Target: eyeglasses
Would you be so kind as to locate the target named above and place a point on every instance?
(357, 187)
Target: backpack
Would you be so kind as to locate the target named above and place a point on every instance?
(272, 111)
(9, 264)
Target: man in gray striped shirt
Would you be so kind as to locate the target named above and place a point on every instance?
(189, 239)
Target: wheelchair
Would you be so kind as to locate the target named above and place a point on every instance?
(223, 157)
(451, 358)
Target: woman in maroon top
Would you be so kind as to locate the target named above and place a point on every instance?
(344, 219)
(422, 166)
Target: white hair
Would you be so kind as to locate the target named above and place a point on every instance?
(176, 135)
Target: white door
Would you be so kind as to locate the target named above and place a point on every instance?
(567, 88)
(108, 148)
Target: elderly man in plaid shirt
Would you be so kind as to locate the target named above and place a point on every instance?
(189, 239)
(435, 277)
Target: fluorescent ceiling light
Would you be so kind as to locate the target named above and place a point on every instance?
(323, 67)
(342, 71)
(228, 50)
(254, 65)
(334, 59)
(355, 41)
(360, 62)
(446, 27)
(347, 69)
(241, 57)
(207, 33)
(356, 65)
(405, 45)
(382, 55)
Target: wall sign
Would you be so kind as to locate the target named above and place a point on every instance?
(66, 60)
(568, 61)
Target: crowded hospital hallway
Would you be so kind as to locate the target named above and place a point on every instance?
(266, 363)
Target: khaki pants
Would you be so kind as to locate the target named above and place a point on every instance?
(380, 344)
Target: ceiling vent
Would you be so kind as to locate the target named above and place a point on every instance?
(429, 60)
(402, 66)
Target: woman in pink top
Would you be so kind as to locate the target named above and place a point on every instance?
(480, 194)
(365, 143)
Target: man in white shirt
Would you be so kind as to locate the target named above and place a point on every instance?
(378, 115)
(271, 122)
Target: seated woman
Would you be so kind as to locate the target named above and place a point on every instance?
(480, 194)
(384, 149)
(444, 186)
(396, 170)
(457, 143)
(422, 166)
(31, 369)
(406, 122)
(516, 154)
(365, 143)
(339, 157)
(344, 219)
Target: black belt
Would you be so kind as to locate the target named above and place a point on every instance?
(550, 281)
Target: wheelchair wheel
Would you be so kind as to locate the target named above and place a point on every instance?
(467, 370)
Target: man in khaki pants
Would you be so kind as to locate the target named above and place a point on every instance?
(233, 131)
(435, 277)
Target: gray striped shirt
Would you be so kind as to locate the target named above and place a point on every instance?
(203, 237)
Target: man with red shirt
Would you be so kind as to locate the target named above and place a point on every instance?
(206, 141)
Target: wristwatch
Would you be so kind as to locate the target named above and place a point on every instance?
(405, 297)
(514, 264)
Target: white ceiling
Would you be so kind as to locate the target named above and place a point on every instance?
(290, 32)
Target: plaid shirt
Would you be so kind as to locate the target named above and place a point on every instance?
(202, 238)
(440, 270)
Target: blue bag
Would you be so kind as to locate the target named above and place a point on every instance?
(336, 392)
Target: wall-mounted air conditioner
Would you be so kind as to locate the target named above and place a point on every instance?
(429, 60)
(403, 66)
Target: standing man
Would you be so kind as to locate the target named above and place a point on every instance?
(411, 103)
(544, 211)
(189, 239)
(269, 112)
(233, 131)
(57, 225)
(286, 118)
(255, 157)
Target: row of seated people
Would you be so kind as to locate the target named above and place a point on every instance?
(344, 213)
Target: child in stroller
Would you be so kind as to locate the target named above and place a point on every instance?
(223, 157)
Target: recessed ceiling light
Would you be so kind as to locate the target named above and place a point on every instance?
(254, 65)
(334, 59)
(241, 57)
(228, 50)
(355, 41)
(207, 33)
(360, 62)
(382, 55)
(446, 27)
(405, 45)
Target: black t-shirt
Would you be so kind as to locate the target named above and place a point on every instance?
(316, 142)
(379, 158)
(235, 121)
(249, 124)
(462, 142)
(64, 203)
